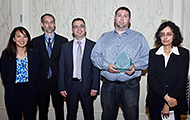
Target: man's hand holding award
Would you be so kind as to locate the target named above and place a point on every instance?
(123, 64)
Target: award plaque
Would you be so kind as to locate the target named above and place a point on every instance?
(123, 62)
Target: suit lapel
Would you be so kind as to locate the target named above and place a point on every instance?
(55, 47)
(85, 55)
(29, 60)
(43, 47)
(160, 61)
(85, 51)
(172, 61)
(70, 53)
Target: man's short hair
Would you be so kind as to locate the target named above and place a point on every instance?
(123, 8)
(47, 14)
(78, 19)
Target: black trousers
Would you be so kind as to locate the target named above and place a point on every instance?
(21, 104)
(50, 89)
(73, 100)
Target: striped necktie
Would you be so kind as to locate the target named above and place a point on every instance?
(49, 49)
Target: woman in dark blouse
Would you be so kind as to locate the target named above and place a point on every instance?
(167, 74)
(19, 72)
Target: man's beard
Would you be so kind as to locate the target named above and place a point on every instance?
(48, 30)
(121, 26)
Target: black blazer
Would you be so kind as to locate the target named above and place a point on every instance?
(90, 74)
(8, 74)
(174, 76)
(39, 44)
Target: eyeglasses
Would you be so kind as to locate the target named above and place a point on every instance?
(163, 35)
(81, 26)
(46, 22)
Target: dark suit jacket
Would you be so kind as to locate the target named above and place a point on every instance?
(8, 74)
(39, 44)
(90, 74)
(171, 80)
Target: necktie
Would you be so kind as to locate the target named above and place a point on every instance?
(79, 60)
(49, 49)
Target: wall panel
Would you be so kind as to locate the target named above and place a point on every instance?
(98, 14)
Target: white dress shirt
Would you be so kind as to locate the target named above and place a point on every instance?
(166, 58)
(75, 46)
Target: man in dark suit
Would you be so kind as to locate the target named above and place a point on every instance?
(49, 46)
(78, 78)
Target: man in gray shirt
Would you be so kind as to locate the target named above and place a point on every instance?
(120, 87)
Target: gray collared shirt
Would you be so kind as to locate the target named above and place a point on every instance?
(111, 44)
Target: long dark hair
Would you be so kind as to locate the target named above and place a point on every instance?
(11, 47)
(177, 39)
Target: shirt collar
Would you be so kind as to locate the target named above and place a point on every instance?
(82, 41)
(126, 31)
(52, 37)
(160, 51)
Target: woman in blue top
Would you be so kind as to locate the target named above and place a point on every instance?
(19, 72)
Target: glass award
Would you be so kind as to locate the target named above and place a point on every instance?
(123, 62)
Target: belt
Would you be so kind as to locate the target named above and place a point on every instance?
(76, 79)
(116, 82)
